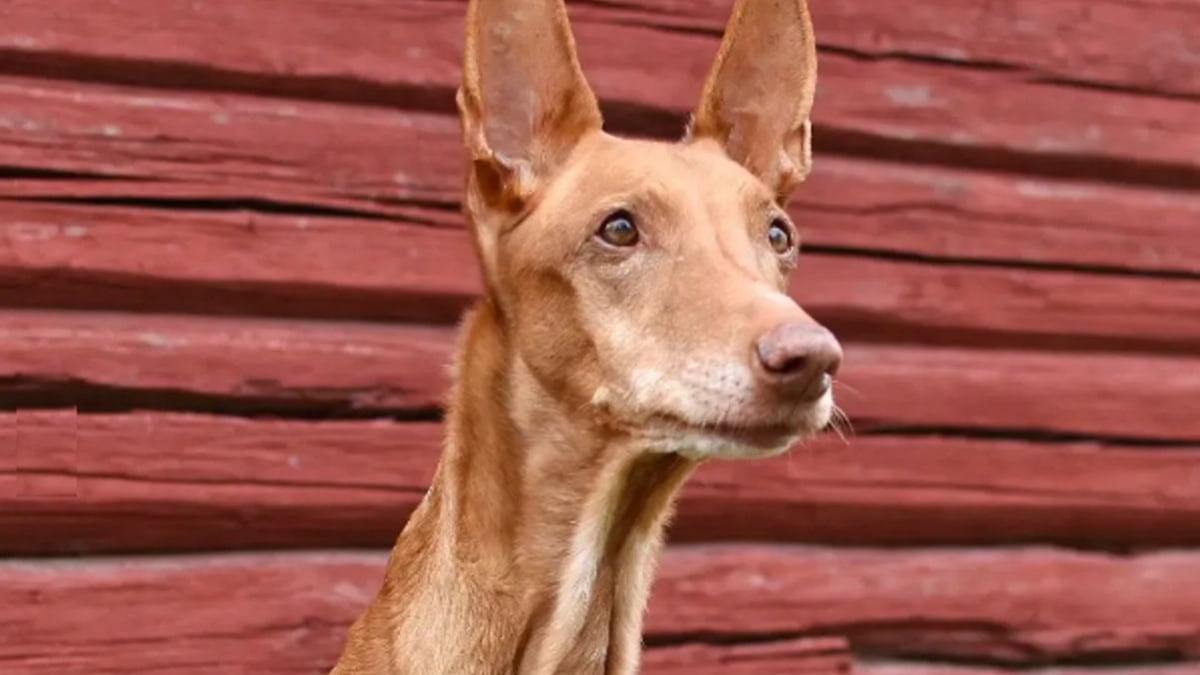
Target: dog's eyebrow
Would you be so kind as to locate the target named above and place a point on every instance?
(644, 200)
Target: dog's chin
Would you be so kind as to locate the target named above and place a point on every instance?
(673, 434)
(719, 444)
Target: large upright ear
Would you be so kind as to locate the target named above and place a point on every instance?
(524, 101)
(759, 95)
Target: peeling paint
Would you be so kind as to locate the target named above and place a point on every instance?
(24, 125)
(948, 188)
(161, 341)
(910, 96)
(32, 231)
(963, 138)
(1040, 190)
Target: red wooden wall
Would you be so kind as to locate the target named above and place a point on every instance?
(230, 241)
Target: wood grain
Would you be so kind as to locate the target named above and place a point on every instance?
(412, 47)
(292, 623)
(1069, 40)
(1016, 606)
(287, 612)
(806, 656)
(277, 366)
(260, 366)
(161, 481)
(366, 161)
(242, 262)
(398, 255)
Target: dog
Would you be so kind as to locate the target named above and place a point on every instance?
(633, 324)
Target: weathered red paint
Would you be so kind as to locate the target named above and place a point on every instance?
(161, 481)
(406, 49)
(361, 159)
(396, 368)
(285, 612)
(1001, 225)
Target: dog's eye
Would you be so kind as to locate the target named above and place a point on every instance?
(780, 237)
(618, 230)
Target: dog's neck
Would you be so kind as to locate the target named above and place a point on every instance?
(534, 503)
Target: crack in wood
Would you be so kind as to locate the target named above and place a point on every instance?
(19, 393)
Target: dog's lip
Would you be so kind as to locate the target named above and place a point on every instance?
(748, 434)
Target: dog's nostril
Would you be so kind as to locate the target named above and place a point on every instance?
(791, 365)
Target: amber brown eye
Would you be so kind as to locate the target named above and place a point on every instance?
(618, 230)
(780, 237)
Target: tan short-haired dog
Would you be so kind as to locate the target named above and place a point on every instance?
(634, 324)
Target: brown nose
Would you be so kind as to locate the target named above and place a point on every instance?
(800, 357)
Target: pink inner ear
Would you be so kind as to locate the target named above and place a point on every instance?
(758, 96)
(508, 117)
(534, 102)
(756, 137)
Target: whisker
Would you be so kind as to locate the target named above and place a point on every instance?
(840, 422)
(842, 385)
(833, 426)
(846, 420)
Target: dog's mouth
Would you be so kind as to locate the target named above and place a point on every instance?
(753, 437)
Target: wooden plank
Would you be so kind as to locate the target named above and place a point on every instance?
(1023, 607)
(263, 145)
(914, 104)
(1034, 391)
(261, 614)
(965, 215)
(348, 268)
(1068, 40)
(235, 262)
(121, 261)
(299, 155)
(849, 204)
(928, 490)
(155, 481)
(249, 364)
(809, 656)
(278, 614)
(288, 612)
(880, 300)
(377, 368)
(415, 46)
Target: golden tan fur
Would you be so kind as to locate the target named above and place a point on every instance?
(591, 379)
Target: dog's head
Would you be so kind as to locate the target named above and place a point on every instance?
(641, 281)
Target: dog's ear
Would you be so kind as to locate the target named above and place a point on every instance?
(524, 102)
(759, 95)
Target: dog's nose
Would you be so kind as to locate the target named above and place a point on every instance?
(801, 357)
